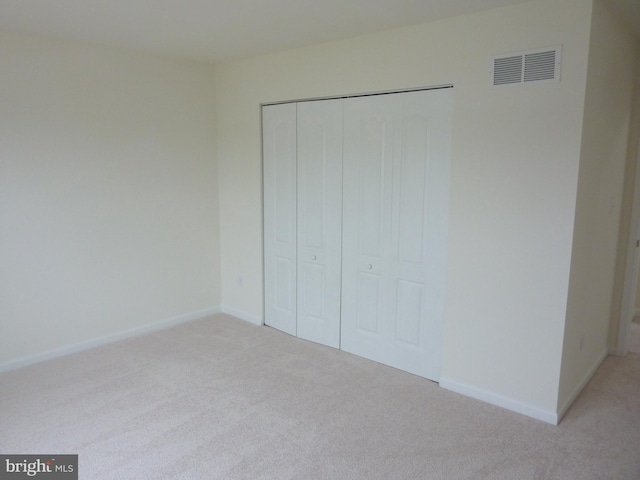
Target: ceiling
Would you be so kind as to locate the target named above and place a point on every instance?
(221, 30)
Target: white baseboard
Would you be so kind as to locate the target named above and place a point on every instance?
(96, 342)
(547, 416)
(247, 317)
(582, 384)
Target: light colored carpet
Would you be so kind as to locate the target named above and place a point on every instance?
(222, 399)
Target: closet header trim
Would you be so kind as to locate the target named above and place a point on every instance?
(355, 95)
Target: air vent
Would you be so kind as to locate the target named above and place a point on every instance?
(541, 65)
(507, 70)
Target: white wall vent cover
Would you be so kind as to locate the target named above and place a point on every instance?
(541, 65)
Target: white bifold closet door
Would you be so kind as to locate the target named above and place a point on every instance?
(302, 150)
(280, 236)
(395, 209)
(355, 224)
(319, 220)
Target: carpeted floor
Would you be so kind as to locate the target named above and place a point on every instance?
(222, 399)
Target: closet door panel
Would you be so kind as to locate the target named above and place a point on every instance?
(319, 220)
(439, 110)
(419, 243)
(280, 174)
(407, 347)
(367, 167)
(413, 177)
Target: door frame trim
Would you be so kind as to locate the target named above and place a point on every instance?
(355, 95)
(631, 271)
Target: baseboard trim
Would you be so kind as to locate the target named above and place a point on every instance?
(547, 416)
(576, 391)
(247, 317)
(114, 337)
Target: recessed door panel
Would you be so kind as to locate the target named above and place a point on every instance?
(408, 312)
(284, 274)
(313, 178)
(371, 177)
(414, 164)
(368, 309)
(282, 144)
(312, 288)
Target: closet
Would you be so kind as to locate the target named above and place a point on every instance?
(355, 223)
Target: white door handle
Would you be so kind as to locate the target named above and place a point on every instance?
(313, 257)
(370, 267)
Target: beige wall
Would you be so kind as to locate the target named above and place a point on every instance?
(608, 106)
(516, 151)
(110, 192)
(108, 198)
